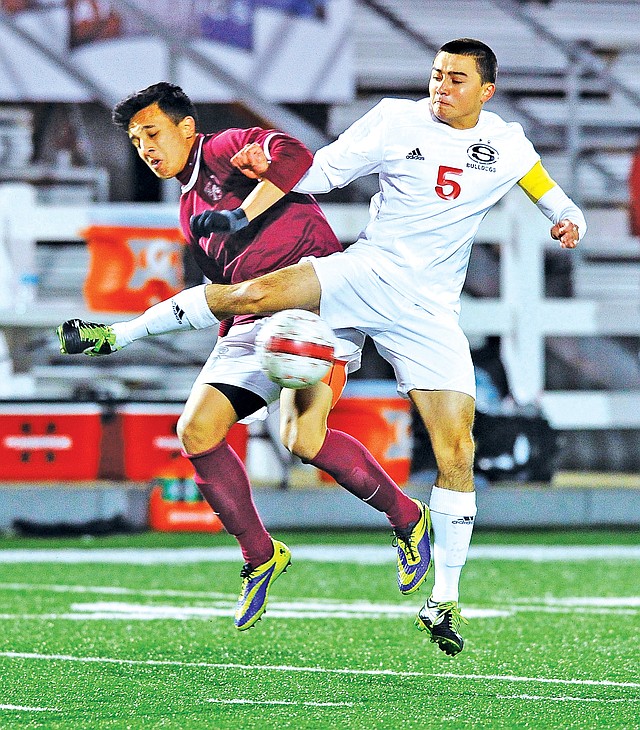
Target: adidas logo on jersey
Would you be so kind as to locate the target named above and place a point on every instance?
(178, 312)
(415, 155)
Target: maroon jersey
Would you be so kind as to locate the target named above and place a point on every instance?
(294, 227)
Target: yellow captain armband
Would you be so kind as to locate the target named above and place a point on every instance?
(536, 182)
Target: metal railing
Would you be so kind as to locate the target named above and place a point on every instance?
(522, 316)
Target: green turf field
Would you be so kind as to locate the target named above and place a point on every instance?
(146, 639)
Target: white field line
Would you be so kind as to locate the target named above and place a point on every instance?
(210, 605)
(555, 553)
(114, 610)
(20, 708)
(207, 665)
(547, 604)
(310, 609)
(315, 670)
(592, 610)
(239, 701)
(349, 610)
(542, 680)
(358, 554)
(586, 601)
(117, 591)
(177, 614)
(538, 698)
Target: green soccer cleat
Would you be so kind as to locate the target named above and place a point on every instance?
(442, 622)
(77, 336)
(256, 584)
(414, 551)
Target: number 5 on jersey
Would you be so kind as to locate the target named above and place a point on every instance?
(447, 187)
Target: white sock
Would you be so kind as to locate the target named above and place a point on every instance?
(186, 310)
(452, 518)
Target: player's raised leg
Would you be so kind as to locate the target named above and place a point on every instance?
(305, 433)
(186, 310)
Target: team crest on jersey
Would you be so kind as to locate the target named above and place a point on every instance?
(212, 189)
(483, 156)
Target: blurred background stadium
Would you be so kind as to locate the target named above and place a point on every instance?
(555, 334)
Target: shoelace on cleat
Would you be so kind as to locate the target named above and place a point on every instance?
(455, 618)
(404, 534)
(246, 571)
(100, 334)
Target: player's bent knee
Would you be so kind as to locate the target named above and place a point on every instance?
(303, 445)
(303, 451)
(196, 435)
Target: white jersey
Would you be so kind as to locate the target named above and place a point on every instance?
(436, 185)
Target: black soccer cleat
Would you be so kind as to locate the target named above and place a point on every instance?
(77, 336)
(442, 622)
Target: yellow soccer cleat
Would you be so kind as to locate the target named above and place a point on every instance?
(414, 551)
(256, 584)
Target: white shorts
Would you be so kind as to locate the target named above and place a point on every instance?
(234, 362)
(427, 349)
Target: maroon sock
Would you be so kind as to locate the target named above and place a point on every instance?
(354, 468)
(224, 483)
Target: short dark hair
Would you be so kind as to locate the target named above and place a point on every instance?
(486, 61)
(170, 98)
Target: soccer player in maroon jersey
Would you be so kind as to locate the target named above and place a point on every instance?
(215, 209)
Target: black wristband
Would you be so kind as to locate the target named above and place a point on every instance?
(238, 219)
(218, 221)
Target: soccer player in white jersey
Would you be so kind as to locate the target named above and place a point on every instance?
(442, 163)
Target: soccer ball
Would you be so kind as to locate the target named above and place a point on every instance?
(295, 348)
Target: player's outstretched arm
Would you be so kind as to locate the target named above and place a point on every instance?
(569, 224)
(277, 175)
(186, 310)
(261, 198)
